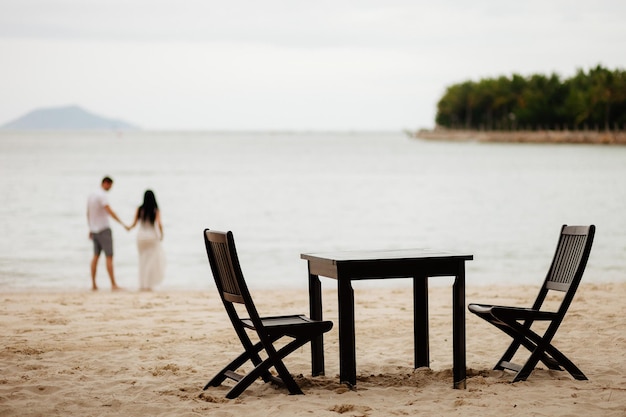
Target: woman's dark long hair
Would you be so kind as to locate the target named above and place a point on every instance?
(148, 210)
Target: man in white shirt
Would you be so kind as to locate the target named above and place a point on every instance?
(98, 212)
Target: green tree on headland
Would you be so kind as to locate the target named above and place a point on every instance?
(589, 100)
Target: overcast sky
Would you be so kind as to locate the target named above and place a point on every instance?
(287, 64)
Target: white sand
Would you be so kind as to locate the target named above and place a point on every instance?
(150, 354)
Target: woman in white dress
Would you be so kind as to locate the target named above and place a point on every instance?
(149, 237)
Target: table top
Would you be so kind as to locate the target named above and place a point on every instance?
(384, 255)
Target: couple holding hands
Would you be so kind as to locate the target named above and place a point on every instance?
(149, 236)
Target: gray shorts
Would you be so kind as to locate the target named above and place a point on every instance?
(103, 241)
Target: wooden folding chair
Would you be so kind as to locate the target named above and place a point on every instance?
(564, 275)
(233, 290)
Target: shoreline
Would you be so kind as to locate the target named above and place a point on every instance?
(524, 136)
(150, 353)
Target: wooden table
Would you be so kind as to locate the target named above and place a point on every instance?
(418, 264)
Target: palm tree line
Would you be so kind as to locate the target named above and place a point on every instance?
(592, 100)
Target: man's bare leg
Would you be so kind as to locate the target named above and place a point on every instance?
(94, 266)
(111, 274)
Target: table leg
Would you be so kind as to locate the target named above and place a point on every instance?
(347, 350)
(315, 309)
(420, 322)
(458, 331)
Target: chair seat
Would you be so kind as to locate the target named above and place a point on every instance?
(293, 325)
(511, 313)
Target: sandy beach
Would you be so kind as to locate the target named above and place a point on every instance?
(150, 354)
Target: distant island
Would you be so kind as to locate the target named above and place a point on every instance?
(593, 100)
(65, 118)
(589, 107)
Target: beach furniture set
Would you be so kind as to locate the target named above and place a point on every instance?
(561, 282)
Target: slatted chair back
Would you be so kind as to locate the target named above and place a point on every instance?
(568, 265)
(222, 265)
(228, 275)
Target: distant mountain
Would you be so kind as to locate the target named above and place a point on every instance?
(65, 118)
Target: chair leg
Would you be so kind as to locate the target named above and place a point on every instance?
(509, 353)
(263, 367)
(221, 376)
(541, 350)
(274, 359)
(529, 339)
(283, 372)
(250, 354)
(528, 367)
(531, 346)
(566, 363)
(518, 340)
(287, 378)
(540, 353)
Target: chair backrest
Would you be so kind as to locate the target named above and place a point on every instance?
(568, 264)
(222, 254)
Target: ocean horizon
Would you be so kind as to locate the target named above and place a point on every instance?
(285, 193)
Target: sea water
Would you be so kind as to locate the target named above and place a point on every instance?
(283, 194)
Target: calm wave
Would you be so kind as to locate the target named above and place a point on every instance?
(283, 194)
